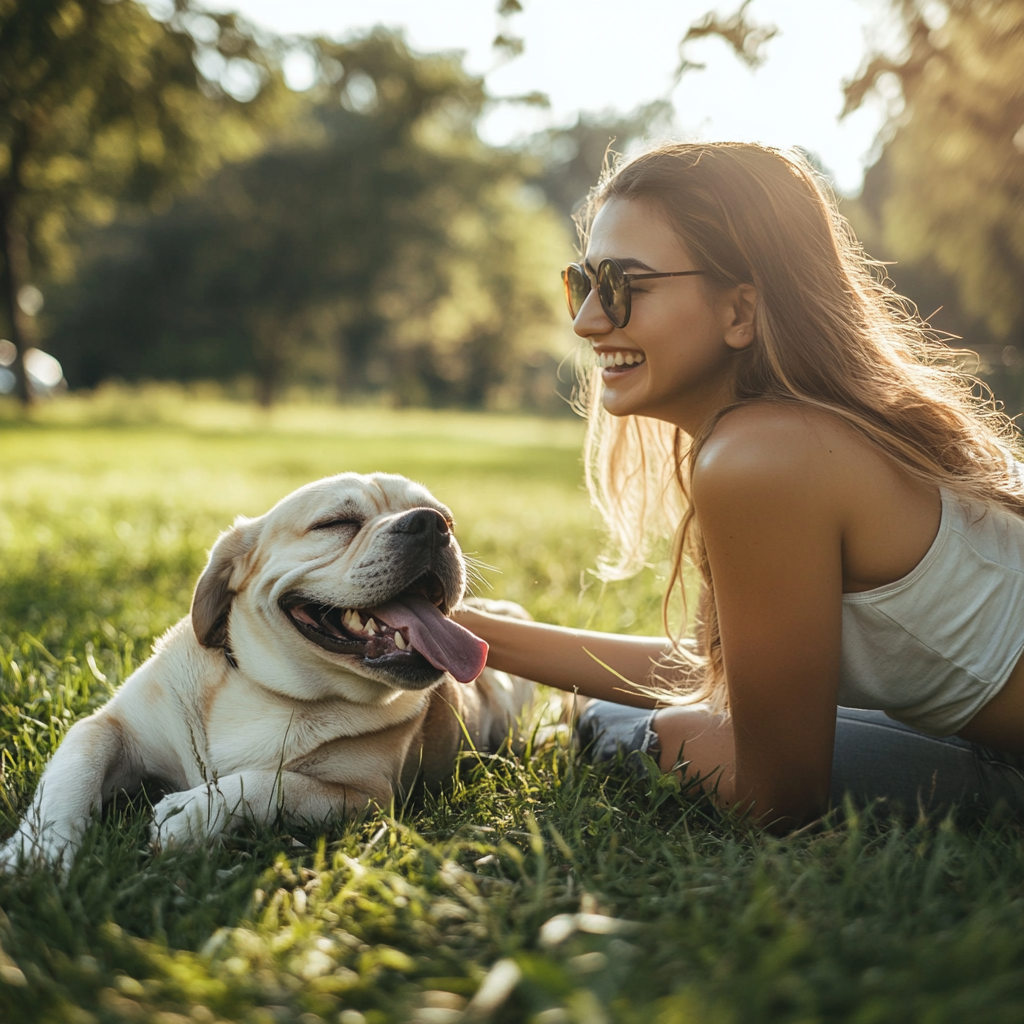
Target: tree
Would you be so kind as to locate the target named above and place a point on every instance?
(949, 188)
(380, 246)
(100, 104)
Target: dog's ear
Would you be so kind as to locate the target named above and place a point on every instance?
(211, 603)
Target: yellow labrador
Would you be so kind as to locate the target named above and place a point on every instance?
(317, 674)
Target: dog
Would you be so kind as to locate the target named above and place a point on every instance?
(318, 674)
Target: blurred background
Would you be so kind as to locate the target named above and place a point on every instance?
(372, 202)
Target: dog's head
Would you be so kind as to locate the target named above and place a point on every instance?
(353, 575)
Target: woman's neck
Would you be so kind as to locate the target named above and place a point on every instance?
(694, 411)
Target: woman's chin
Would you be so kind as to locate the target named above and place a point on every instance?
(613, 403)
(624, 402)
(621, 394)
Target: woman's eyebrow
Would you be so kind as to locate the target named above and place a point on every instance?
(626, 262)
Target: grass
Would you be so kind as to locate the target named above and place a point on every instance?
(534, 888)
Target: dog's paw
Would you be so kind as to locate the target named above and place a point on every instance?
(190, 818)
(42, 848)
(11, 853)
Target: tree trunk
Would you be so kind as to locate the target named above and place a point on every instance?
(266, 385)
(268, 334)
(16, 271)
(356, 343)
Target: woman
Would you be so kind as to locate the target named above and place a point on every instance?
(855, 513)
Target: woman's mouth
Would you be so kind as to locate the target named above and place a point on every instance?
(619, 360)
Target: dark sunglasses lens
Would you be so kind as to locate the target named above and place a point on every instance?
(613, 290)
(577, 287)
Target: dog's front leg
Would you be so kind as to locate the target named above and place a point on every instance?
(93, 761)
(200, 814)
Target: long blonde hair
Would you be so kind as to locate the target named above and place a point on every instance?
(829, 333)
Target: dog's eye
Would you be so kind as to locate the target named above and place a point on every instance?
(331, 524)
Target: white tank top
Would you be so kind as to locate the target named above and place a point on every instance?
(933, 647)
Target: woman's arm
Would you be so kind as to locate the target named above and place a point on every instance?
(770, 491)
(559, 657)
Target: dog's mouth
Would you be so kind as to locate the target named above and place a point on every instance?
(407, 635)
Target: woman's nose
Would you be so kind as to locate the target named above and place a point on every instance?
(591, 319)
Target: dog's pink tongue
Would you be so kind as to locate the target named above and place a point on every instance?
(445, 644)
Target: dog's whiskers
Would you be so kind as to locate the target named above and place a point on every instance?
(476, 583)
(475, 578)
(472, 562)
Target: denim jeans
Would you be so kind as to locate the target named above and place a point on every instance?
(875, 757)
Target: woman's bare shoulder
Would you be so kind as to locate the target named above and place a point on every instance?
(765, 447)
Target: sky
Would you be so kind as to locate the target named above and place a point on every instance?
(598, 55)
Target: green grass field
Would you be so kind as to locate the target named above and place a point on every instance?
(535, 888)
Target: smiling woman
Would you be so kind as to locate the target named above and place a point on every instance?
(645, 371)
(856, 514)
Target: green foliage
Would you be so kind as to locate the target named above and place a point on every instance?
(101, 104)
(380, 246)
(953, 191)
(535, 888)
(746, 38)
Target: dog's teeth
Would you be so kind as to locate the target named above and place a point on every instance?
(371, 627)
(400, 641)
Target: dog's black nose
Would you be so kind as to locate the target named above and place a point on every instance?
(427, 523)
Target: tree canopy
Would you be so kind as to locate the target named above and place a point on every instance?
(371, 240)
(380, 245)
(949, 188)
(102, 104)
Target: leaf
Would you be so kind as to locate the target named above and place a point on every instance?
(746, 38)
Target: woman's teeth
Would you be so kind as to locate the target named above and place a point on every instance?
(606, 359)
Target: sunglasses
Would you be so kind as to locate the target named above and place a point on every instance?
(613, 288)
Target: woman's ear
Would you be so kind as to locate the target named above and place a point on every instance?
(741, 305)
(211, 602)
